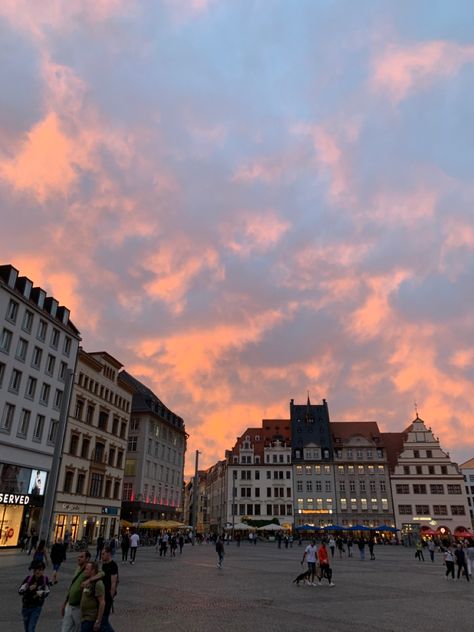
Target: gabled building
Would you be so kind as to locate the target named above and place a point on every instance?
(428, 489)
(361, 474)
(216, 487)
(154, 466)
(259, 474)
(313, 469)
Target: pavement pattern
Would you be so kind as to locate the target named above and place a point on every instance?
(254, 591)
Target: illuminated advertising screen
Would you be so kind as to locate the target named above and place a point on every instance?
(10, 523)
(37, 486)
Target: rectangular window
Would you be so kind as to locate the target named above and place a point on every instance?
(2, 373)
(24, 423)
(21, 349)
(127, 491)
(68, 481)
(67, 346)
(96, 485)
(112, 457)
(343, 504)
(419, 489)
(340, 469)
(120, 459)
(80, 484)
(50, 364)
(363, 504)
(103, 420)
(402, 488)
(458, 510)
(437, 489)
(362, 486)
(15, 381)
(132, 444)
(31, 387)
(309, 486)
(42, 329)
(7, 417)
(62, 371)
(354, 504)
(440, 510)
(422, 510)
(6, 340)
(36, 359)
(342, 486)
(454, 489)
(269, 492)
(12, 311)
(85, 449)
(55, 338)
(383, 486)
(39, 427)
(44, 395)
(299, 486)
(58, 396)
(27, 321)
(373, 487)
(307, 469)
(53, 431)
(90, 415)
(404, 509)
(352, 486)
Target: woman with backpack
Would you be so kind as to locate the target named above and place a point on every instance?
(33, 590)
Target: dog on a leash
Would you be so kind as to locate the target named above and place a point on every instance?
(302, 577)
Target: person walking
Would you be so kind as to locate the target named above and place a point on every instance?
(461, 563)
(110, 580)
(34, 589)
(125, 546)
(431, 549)
(309, 554)
(332, 545)
(100, 546)
(349, 546)
(470, 557)
(92, 604)
(220, 552)
(181, 543)
(361, 545)
(40, 554)
(34, 537)
(449, 561)
(134, 541)
(340, 546)
(70, 610)
(57, 555)
(325, 568)
(371, 547)
(419, 551)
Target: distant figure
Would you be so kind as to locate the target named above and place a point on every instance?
(33, 540)
(181, 543)
(470, 558)
(349, 546)
(40, 554)
(323, 560)
(361, 545)
(57, 555)
(461, 563)
(419, 551)
(431, 549)
(220, 552)
(332, 545)
(100, 546)
(125, 546)
(371, 548)
(134, 541)
(449, 561)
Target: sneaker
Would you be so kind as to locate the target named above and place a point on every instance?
(319, 584)
(332, 584)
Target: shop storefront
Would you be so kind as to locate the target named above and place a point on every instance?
(21, 502)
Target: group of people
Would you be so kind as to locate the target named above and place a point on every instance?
(317, 559)
(89, 599)
(463, 557)
(171, 541)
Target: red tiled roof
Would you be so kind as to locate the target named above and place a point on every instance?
(394, 445)
(266, 433)
(344, 430)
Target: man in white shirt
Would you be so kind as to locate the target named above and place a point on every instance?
(309, 554)
(134, 540)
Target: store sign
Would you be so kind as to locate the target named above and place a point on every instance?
(69, 507)
(110, 511)
(14, 499)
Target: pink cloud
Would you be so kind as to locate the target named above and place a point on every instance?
(249, 233)
(402, 69)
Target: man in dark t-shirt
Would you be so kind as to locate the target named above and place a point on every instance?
(110, 579)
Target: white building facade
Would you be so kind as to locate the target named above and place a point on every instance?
(467, 470)
(38, 348)
(428, 489)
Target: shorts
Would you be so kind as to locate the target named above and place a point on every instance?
(56, 567)
(312, 567)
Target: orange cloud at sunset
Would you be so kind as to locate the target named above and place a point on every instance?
(241, 209)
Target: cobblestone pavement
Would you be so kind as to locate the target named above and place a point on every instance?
(254, 590)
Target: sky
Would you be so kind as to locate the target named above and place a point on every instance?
(247, 200)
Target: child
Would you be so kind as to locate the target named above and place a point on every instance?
(34, 591)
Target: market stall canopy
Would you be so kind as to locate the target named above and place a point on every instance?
(334, 527)
(126, 523)
(307, 527)
(240, 526)
(359, 527)
(161, 524)
(270, 527)
(463, 534)
(386, 527)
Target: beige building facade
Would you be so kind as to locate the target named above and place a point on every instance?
(88, 499)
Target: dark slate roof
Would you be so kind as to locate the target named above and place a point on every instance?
(144, 400)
